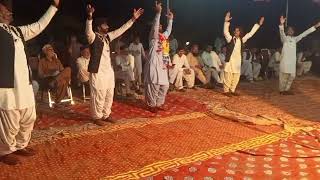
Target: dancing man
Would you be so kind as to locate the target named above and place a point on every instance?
(156, 68)
(289, 55)
(233, 59)
(17, 105)
(102, 81)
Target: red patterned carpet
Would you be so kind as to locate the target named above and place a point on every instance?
(298, 157)
(80, 114)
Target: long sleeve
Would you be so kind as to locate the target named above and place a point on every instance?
(305, 33)
(226, 31)
(251, 33)
(186, 63)
(32, 30)
(282, 33)
(115, 34)
(155, 27)
(169, 29)
(89, 32)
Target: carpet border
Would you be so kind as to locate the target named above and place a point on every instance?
(162, 166)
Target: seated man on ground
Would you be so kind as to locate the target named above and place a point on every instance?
(219, 66)
(246, 67)
(83, 63)
(274, 63)
(208, 63)
(195, 65)
(52, 74)
(303, 63)
(181, 71)
(256, 64)
(125, 69)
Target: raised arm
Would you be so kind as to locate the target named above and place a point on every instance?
(32, 30)
(169, 27)
(281, 29)
(154, 33)
(306, 33)
(115, 34)
(89, 32)
(226, 27)
(253, 30)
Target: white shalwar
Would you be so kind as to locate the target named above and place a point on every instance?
(102, 83)
(178, 74)
(17, 105)
(233, 67)
(289, 58)
(138, 52)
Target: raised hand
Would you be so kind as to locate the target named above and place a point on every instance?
(56, 3)
(317, 25)
(228, 17)
(158, 7)
(282, 20)
(137, 13)
(90, 11)
(170, 15)
(261, 21)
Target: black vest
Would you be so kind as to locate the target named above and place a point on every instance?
(7, 57)
(230, 48)
(96, 49)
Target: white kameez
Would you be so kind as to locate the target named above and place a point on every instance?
(177, 73)
(102, 83)
(17, 105)
(289, 58)
(138, 52)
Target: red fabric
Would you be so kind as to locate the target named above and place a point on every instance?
(80, 114)
(295, 158)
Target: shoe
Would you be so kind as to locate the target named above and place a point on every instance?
(181, 90)
(25, 152)
(110, 120)
(228, 94)
(9, 160)
(235, 94)
(163, 108)
(290, 93)
(153, 109)
(99, 122)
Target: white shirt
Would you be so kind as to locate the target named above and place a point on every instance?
(180, 62)
(234, 64)
(22, 96)
(289, 50)
(104, 79)
(216, 61)
(126, 62)
(83, 63)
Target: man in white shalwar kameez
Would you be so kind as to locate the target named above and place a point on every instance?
(156, 80)
(182, 71)
(17, 105)
(137, 50)
(102, 81)
(289, 55)
(232, 68)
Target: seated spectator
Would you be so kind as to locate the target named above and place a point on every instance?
(265, 59)
(274, 63)
(195, 65)
(256, 64)
(125, 69)
(181, 71)
(83, 63)
(303, 63)
(209, 68)
(246, 67)
(52, 74)
(223, 54)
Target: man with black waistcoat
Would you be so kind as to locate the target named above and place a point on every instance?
(17, 105)
(232, 70)
(102, 81)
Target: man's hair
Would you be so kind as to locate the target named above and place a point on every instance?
(7, 4)
(84, 47)
(99, 21)
(240, 29)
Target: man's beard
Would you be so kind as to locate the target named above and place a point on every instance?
(195, 54)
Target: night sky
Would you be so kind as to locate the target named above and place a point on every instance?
(198, 21)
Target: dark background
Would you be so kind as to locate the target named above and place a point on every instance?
(199, 21)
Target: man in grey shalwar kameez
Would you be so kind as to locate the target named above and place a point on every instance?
(156, 68)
